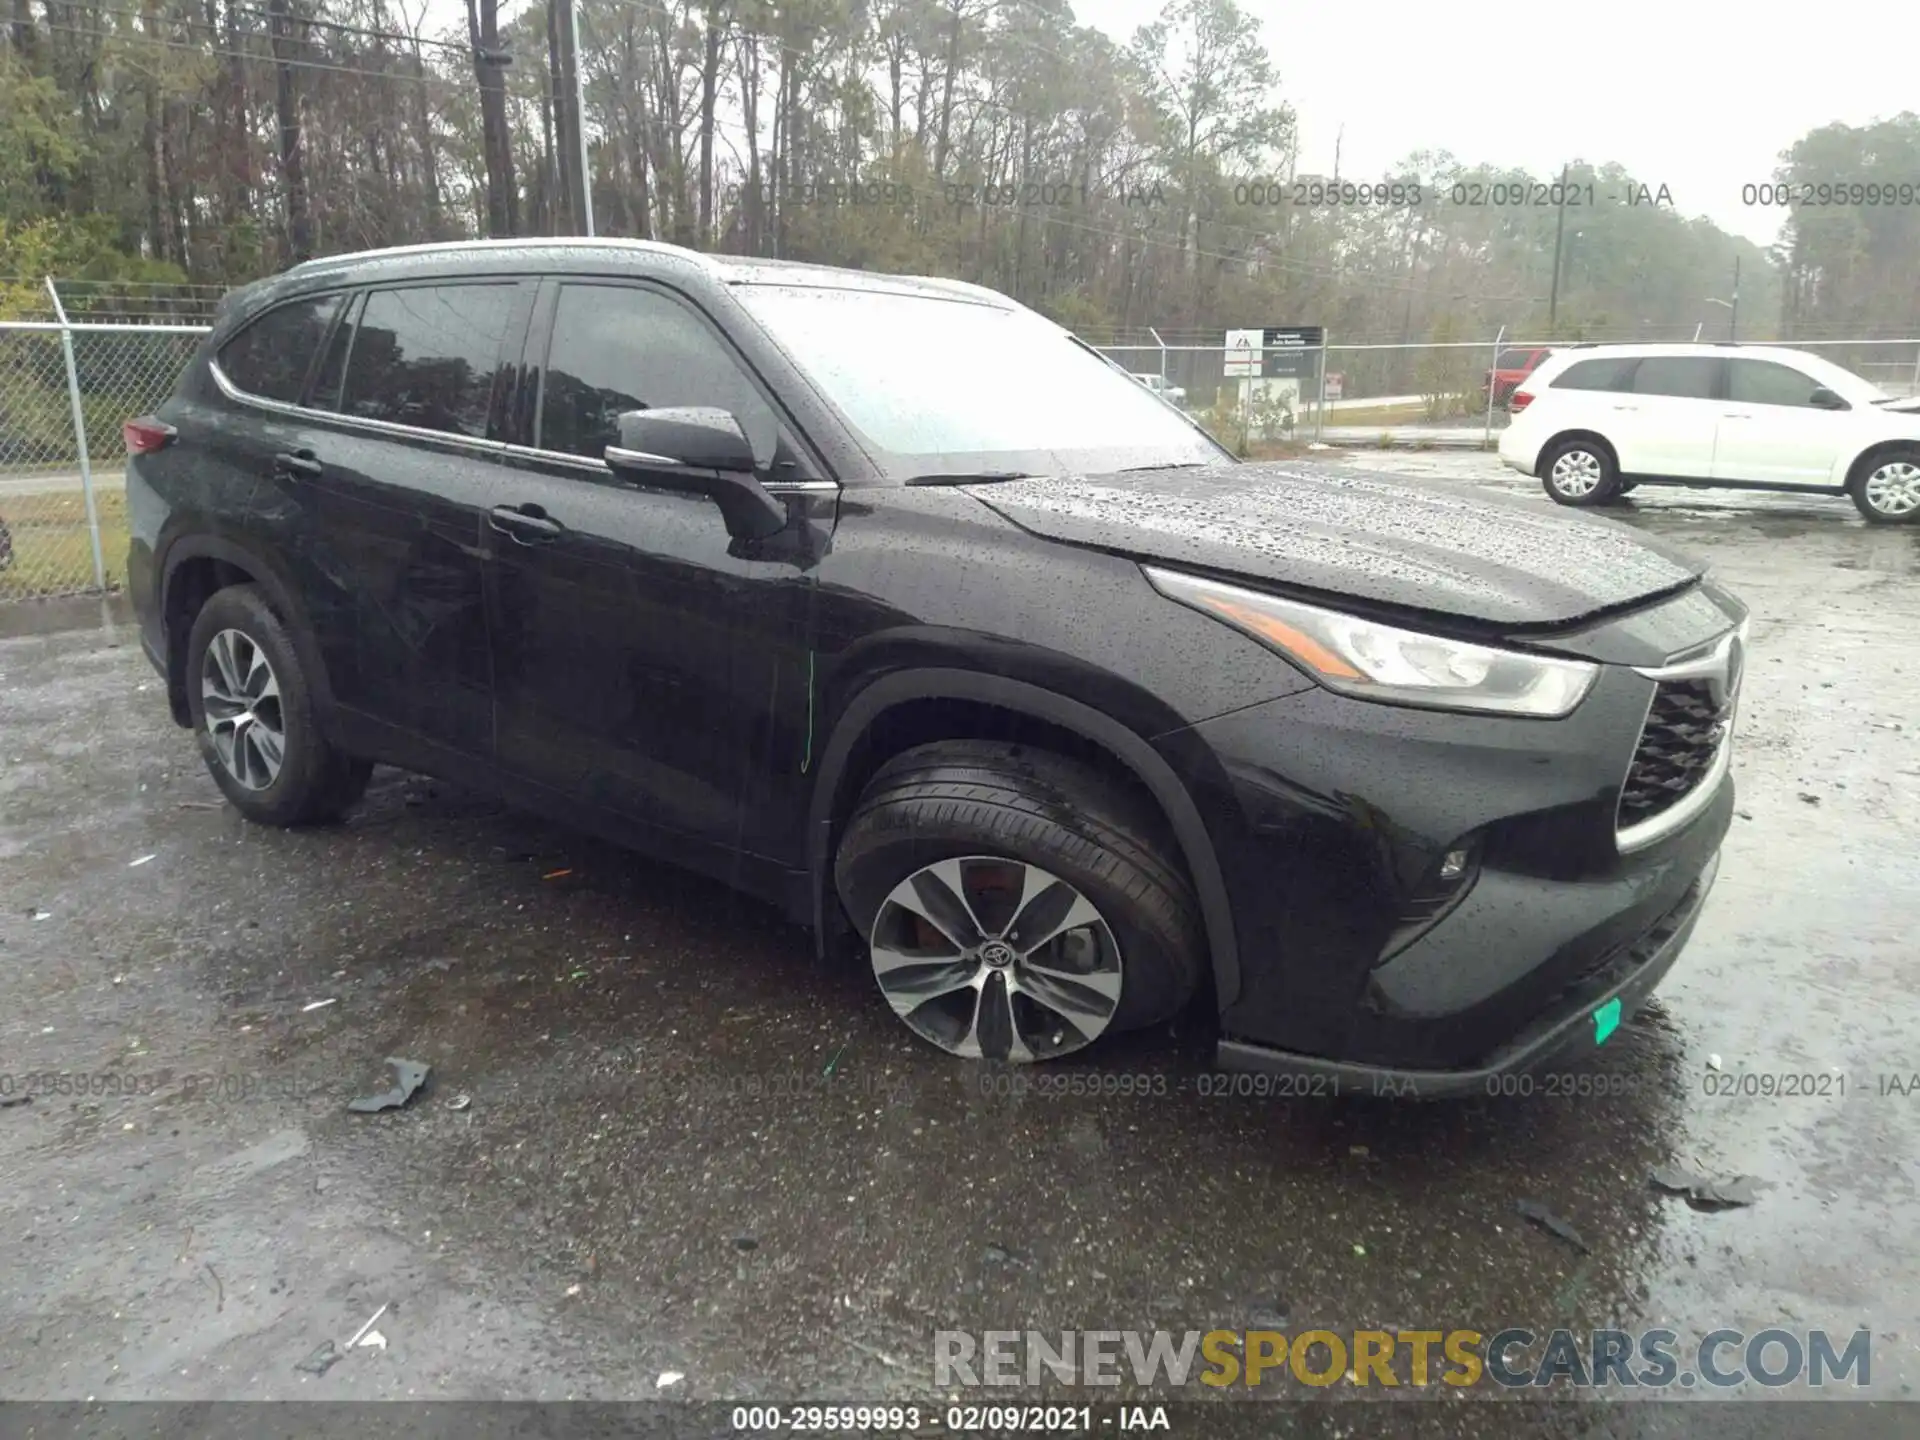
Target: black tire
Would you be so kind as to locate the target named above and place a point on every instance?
(1581, 460)
(983, 798)
(1905, 455)
(315, 782)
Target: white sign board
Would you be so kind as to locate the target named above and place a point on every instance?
(1243, 352)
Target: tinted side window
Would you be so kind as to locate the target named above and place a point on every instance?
(1612, 373)
(1763, 382)
(1512, 359)
(271, 356)
(616, 348)
(333, 365)
(1688, 376)
(427, 356)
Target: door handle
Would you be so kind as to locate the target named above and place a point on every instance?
(1626, 407)
(526, 524)
(1736, 414)
(296, 465)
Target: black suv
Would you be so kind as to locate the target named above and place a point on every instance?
(892, 603)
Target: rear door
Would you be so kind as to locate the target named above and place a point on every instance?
(402, 471)
(1666, 425)
(653, 674)
(1771, 432)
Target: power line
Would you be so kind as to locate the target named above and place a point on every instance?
(428, 77)
(398, 36)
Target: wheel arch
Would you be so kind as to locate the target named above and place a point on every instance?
(1560, 437)
(1857, 471)
(858, 746)
(198, 565)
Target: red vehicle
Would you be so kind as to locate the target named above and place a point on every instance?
(1510, 367)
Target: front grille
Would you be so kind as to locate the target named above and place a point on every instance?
(1684, 730)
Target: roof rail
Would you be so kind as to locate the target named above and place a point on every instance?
(519, 242)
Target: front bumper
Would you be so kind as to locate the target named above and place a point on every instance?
(1332, 819)
(1571, 1025)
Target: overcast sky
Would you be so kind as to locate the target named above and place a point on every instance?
(1699, 95)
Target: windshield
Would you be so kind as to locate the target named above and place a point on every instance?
(953, 386)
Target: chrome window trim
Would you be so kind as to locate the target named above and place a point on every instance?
(353, 422)
(600, 467)
(490, 447)
(1714, 661)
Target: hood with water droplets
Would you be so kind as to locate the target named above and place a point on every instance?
(1401, 542)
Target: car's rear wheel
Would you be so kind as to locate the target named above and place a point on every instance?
(1886, 490)
(252, 713)
(1016, 904)
(1580, 472)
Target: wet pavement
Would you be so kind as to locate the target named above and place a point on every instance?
(689, 1147)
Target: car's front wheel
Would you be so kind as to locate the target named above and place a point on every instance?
(1016, 904)
(252, 712)
(1886, 490)
(1580, 472)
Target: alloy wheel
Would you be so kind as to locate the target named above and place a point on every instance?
(1575, 473)
(240, 700)
(1894, 488)
(996, 959)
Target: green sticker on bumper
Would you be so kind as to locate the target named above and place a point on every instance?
(1606, 1020)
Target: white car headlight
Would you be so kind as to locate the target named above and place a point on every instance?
(1371, 661)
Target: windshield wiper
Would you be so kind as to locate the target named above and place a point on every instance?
(976, 477)
(1170, 465)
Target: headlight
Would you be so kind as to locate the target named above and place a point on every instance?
(1371, 661)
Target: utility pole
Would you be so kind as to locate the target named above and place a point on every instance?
(585, 192)
(1340, 136)
(1733, 314)
(1559, 238)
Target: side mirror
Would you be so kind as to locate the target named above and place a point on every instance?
(1825, 399)
(698, 450)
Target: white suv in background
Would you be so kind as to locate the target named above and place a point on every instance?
(1594, 421)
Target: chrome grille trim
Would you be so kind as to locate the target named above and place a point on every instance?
(1723, 666)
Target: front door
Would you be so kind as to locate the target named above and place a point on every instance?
(648, 666)
(1772, 432)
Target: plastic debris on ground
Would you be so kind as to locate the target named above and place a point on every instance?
(408, 1076)
(321, 1360)
(1538, 1214)
(1707, 1192)
(668, 1379)
(317, 1005)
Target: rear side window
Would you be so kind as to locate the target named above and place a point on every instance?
(1686, 376)
(427, 356)
(333, 365)
(1611, 373)
(271, 357)
(1513, 360)
(1763, 382)
(619, 348)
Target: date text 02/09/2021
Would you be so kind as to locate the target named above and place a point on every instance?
(892, 1419)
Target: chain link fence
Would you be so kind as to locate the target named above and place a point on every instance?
(64, 392)
(1433, 390)
(67, 384)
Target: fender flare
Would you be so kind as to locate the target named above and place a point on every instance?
(281, 592)
(1189, 830)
